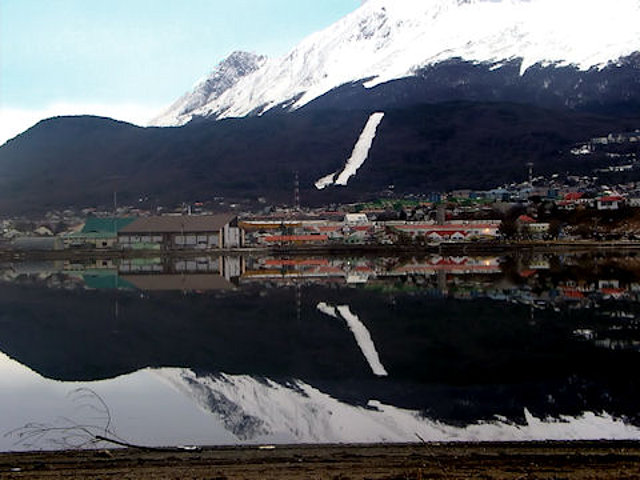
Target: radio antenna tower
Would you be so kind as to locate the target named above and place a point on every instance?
(296, 192)
(530, 167)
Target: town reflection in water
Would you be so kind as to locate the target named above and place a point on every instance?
(248, 349)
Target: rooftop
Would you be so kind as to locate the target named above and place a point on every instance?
(106, 225)
(185, 224)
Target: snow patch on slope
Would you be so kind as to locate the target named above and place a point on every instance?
(358, 156)
(325, 182)
(361, 149)
(298, 412)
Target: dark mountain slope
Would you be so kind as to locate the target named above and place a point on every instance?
(83, 160)
(479, 145)
(614, 89)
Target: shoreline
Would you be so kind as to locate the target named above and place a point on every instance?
(504, 460)
(465, 248)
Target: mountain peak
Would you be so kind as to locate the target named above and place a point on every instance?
(223, 77)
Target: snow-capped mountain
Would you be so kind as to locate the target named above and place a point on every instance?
(386, 40)
(225, 75)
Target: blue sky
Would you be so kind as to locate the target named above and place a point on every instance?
(131, 58)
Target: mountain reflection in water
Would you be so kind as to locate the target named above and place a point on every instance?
(342, 349)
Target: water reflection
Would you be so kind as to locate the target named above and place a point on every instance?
(361, 334)
(331, 349)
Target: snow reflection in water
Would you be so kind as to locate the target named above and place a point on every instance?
(361, 334)
(178, 407)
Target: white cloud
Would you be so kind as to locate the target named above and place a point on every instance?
(14, 121)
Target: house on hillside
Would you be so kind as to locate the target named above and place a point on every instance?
(198, 232)
(570, 201)
(529, 226)
(356, 219)
(611, 202)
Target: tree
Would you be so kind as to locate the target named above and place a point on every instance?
(508, 228)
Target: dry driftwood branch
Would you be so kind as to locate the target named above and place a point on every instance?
(66, 433)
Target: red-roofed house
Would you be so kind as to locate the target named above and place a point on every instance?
(573, 196)
(612, 202)
(525, 219)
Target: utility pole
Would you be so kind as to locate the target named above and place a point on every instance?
(441, 214)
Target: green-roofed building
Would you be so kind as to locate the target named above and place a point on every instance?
(97, 233)
(106, 225)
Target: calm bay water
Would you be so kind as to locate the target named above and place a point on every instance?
(243, 350)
